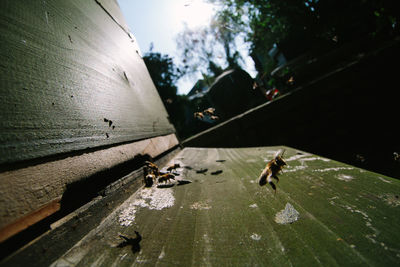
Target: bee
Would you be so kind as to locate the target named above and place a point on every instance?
(173, 167)
(199, 115)
(165, 178)
(214, 118)
(272, 169)
(153, 167)
(148, 177)
(209, 111)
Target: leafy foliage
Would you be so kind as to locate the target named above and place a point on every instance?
(211, 48)
(164, 75)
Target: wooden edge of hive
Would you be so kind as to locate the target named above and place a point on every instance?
(153, 147)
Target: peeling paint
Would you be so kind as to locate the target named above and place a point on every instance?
(333, 169)
(344, 177)
(384, 180)
(255, 236)
(153, 198)
(200, 206)
(287, 215)
(390, 199)
(294, 169)
(315, 158)
(295, 157)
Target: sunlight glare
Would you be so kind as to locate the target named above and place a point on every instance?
(192, 12)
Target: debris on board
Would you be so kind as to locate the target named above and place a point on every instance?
(255, 236)
(345, 177)
(151, 198)
(391, 199)
(200, 206)
(287, 215)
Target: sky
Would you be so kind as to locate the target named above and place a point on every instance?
(159, 21)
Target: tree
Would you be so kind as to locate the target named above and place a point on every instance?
(211, 48)
(164, 75)
(273, 21)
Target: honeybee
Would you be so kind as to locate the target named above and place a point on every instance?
(165, 178)
(214, 117)
(199, 115)
(173, 167)
(272, 169)
(209, 111)
(153, 167)
(148, 176)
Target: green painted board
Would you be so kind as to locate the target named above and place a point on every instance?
(346, 216)
(64, 67)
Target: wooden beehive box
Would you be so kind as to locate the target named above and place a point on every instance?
(76, 99)
(80, 114)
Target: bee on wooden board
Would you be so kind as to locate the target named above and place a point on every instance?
(165, 178)
(148, 176)
(209, 111)
(274, 166)
(173, 167)
(214, 118)
(198, 115)
(153, 167)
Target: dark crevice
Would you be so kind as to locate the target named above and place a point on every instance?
(78, 194)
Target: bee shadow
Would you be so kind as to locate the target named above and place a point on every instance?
(134, 242)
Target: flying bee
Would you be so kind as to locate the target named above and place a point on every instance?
(165, 178)
(173, 167)
(199, 115)
(209, 111)
(274, 166)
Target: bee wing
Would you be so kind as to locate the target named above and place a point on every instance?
(280, 152)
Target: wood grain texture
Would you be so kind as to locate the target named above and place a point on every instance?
(26, 190)
(65, 67)
(348, 216)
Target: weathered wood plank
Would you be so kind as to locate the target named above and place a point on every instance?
(347, 216)
(28, 190)
(65, 67)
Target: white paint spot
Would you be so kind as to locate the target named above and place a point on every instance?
(287, 215)
(162, 254)
(200, 206)
(255, 236)
(391, 199)
(295, 157)
(344, 177)
(334, 169)
(47, 17)
(152, 198)
(253, 205)
(384, 180)
(315, 158)
(294, 169)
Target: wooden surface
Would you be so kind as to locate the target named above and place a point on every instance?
(29, 194)
(65, 67)
(347, 217)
